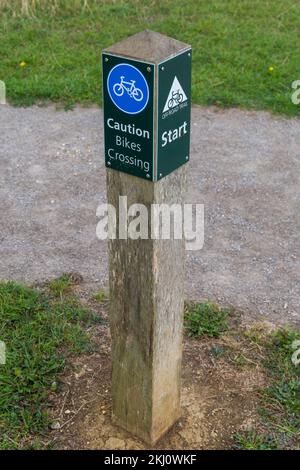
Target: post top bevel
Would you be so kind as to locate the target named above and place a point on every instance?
(148, 46)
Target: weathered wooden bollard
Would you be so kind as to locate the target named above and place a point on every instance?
(147, 97)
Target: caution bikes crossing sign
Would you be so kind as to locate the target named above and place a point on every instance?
(147, 114)
(128, 99)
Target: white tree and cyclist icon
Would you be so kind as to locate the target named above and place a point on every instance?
(176, 98)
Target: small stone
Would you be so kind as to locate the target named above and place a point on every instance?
(115, 443)
(55, 425)
(80, 373)
(67, 412)
(132, 444)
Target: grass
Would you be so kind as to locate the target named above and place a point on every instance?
(44, 327)
(283, 395)
(235, 43)
(100, 296)
(253, 441)
(61, 285)
(41, 331)
(206, 319)
(280, 401)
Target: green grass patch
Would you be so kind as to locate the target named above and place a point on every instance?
(252, 441)
(280, 401)
(277, 353)
(206, 319)
(100, 296)
(245, 53)
(61, 285)
(40, 331)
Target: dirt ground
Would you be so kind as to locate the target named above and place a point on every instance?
(244, 168)
(219, 398)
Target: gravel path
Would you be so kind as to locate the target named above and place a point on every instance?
(245, 168)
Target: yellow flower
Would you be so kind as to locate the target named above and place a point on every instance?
(271, 69)
(22, 64)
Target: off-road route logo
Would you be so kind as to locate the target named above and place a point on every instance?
(176, 96)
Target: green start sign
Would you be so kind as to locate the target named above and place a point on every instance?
(146, 114)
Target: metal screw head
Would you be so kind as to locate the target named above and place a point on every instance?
(108, 163)
(147, 175)
(106, 59)
(162, 68)
(187, 157)
(160, 175)
(148, 69)
(189, 54)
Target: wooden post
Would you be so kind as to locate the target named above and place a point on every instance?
(146, 275)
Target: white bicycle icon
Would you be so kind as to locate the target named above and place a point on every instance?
(134, 92)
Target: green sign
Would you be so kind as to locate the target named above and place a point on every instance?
(174, 113)
(128, 90)
(133, 143)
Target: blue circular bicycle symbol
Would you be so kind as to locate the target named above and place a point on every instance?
(128, 88)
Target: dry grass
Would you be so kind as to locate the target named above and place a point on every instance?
(29, 7)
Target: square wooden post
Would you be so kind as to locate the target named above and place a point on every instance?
(146, 275)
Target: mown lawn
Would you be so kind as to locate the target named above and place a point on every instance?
(245, 52)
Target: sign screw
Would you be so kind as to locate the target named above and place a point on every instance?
(147, 175)
(189, 54)
(109, 163)
(160, 175)
(148, 69)
(162, 68)
(187, 157)
(106, 59)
